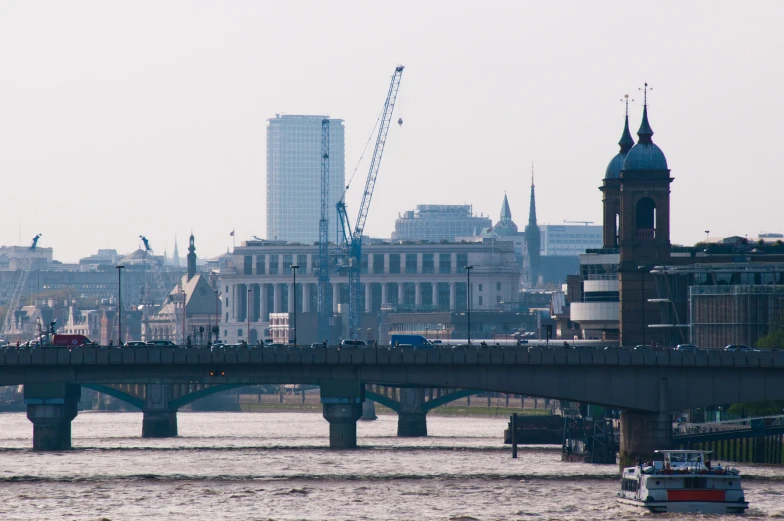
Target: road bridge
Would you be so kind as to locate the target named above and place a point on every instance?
(647, 385)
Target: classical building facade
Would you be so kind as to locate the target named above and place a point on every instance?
(404, 277)
(438, 222)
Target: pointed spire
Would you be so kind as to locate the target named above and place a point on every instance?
(646, 132)
(532, 207)
(626, 142)
(506, 213)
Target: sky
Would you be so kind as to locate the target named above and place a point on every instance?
(126, 118)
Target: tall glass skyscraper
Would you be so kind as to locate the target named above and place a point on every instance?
(294, 176)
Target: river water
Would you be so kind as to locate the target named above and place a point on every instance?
(262, 466)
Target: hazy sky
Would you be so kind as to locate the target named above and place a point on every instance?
(127, 118)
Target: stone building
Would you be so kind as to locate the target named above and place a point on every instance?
(406, 277)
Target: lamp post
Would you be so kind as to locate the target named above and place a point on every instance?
(642, 280)
(706, 237)
(247, 312)
(294, 269)
(119, 303)
(468, 300)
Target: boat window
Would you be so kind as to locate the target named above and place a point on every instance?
(695, 483)
(677, 457)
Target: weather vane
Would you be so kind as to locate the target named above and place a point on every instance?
(626, 100)
(645, 90)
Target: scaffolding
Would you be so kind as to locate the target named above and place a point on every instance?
(722, 315)
(714, 305)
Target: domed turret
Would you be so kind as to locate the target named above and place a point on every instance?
(645, 155)
(626, 143)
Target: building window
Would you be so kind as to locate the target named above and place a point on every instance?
(445, 263)
(363, 263)
(462, 261)
(498, 286)
(411, 262)
(428, 263)
(394, 263)
(287, 262)
(302, 262)
(260, 264)
(248, 267)
(378, 263)
(480, 300)
(239, 332)
(273, 265)
(480, 287)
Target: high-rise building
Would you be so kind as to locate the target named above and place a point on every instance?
(294, 177)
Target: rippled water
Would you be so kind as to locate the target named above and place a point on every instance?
(260, 466)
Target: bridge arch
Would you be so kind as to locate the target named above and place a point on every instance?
(174, 404)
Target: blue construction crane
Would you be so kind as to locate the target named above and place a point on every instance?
(352, 239)
(324, 311)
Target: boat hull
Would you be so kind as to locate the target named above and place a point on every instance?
(693, 507)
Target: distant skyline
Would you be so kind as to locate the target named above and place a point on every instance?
(119, 120)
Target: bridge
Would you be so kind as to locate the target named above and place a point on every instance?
(646, 385)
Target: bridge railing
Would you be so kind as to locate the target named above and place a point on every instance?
(689, 429)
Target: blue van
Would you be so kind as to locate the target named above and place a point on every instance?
(409, 340)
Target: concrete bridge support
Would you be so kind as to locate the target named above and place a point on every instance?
(159, 418)
(642, 433)
(51, 407)
(412, 417)
(342, 407)
(368, 411)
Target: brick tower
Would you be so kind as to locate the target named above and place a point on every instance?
(643, 233)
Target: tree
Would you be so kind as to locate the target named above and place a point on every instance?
(775, 337)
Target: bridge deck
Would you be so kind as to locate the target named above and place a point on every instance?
(51, 356)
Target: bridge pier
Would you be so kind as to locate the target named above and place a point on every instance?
(642, 433)
(412, 417)
(51, 407)
(342, 407)
(159, 419)
(368, 411)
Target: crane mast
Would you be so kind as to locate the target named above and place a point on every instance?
(323, 266)
(16, 296)
(352, 240)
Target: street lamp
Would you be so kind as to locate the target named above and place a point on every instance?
(119, 303)
(468, 300)
(294, 269)
(642, 280)
(706, 237)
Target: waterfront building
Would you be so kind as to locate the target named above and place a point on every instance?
(294, 176)
(415, 277)
(438, 222)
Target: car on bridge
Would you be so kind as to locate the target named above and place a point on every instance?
(687, 347)
(135, 343)
(739, 347)
(161, 343)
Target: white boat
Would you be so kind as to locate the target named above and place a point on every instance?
(684, 481)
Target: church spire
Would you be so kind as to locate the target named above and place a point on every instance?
(191, 258)
(626, 142)
(532, 206)
(176, 254)
(506, 213)
(646, 132)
